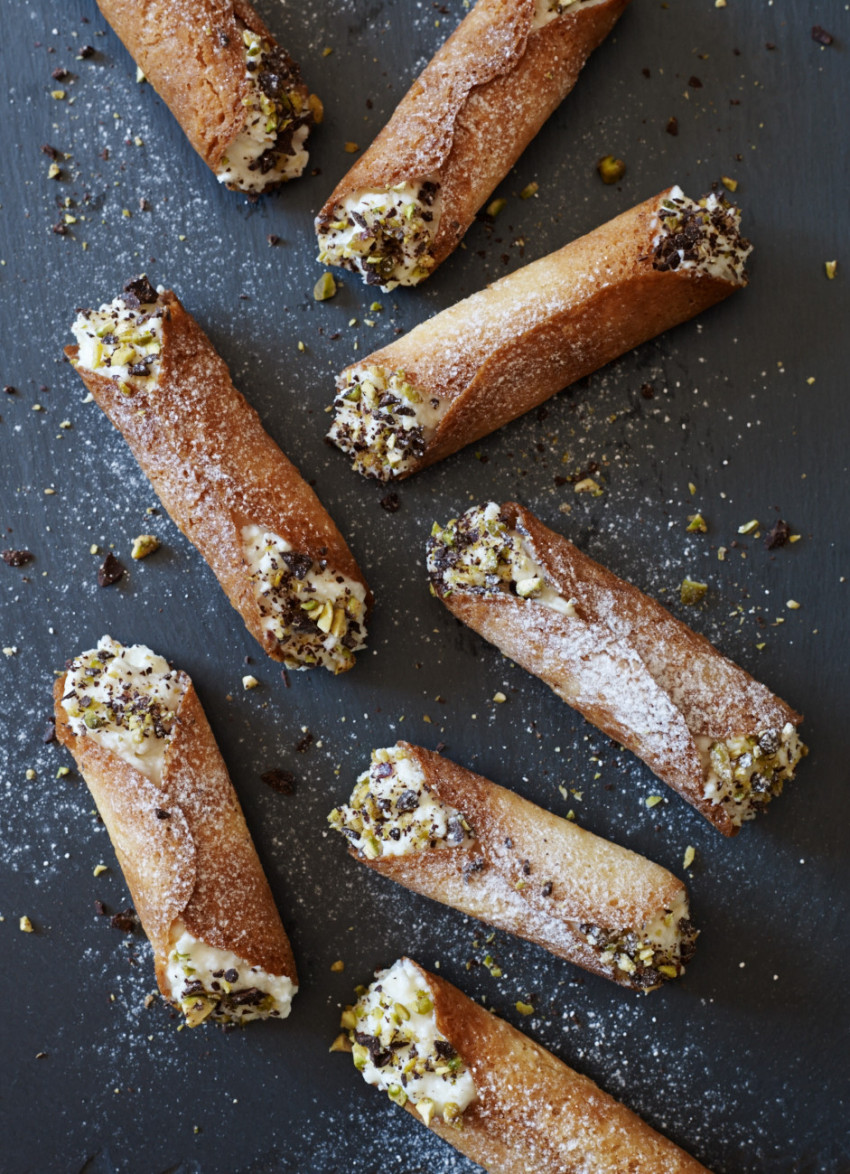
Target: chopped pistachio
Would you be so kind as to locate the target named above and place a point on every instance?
(341, 1044)
(325, 287)
(749, 527)
(730, 184)
(317, 108)
(610, 170)
(249, 682)
(99, 869)
(143, 545)
(30, 774)
(524, 1008)
(831, 268)
(653, 800)
(338, 966)
(352, 148)
(721, 553)
(25, 925)
(140, 75)
(793, 604)
(692, 592)
(529, 190)
(54, 171)
(57, 94)
(696, 524)
(499, 697)
(425, 1109)
(690, 854)
(63, 772)
(587, 485)
(495, 207)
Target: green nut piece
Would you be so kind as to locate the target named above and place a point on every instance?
(610, 170)
(324, 288)
(692, 592)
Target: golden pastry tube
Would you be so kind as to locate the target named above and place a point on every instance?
(454, 836)
(496, 355)
(703, 725)
(236, 93)
(407, 202)
(143, 744)
(489, 1090)
(272, 545)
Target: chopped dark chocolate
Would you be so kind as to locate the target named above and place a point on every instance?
(279, 780)
(161, 813)
(672, 127)
(16, 558)
(778, 536)
(109, 571)
(820, 35)
(390, 503)
(87, 51)
(48, 734)
(303, 745)
(126, 920)
(139, 292)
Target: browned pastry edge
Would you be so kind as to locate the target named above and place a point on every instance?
(532, 1112)
(199, 864)
(214, 467)
(476, 107)
(716, 698)
(503, 351)
(199, 74)
(592, 880)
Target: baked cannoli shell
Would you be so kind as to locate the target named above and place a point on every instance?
(593, 881)
(532, 1112)
(199, 864)
(215, 468)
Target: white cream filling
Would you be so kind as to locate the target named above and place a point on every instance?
(386, 438)
(221, 973)
(393, 812)
(264, 118)
(498, 557)
(112, 339)
(718, 253)
(733, 767)
(370, 247)
(125, 698)
(656, 945)
(397, 1008)
(333, 605)
(546, 10)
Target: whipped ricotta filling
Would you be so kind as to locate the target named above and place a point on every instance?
(650, 954)
(383, 421)
(126, 699)
(478, 552)
(384, 236)
(700, 234)
(316, 614)
(208, 983)
(123, 339)
(397, 1047)
(546, 10)
(270, 147)
(745, 772)
(392, 811)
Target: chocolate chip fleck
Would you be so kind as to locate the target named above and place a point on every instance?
(17, 558)
(820, 35)
(48, 734)
(100, 908)
(139, 291)
(279, 780)
(86, 51)
(126, 920)
(778, 536)
(303, 745)
(162, 814)
(672, 127)
(109, 571)
(390, 503)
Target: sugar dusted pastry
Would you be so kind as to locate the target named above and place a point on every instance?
(282, 562)
(703, 725)
(452, 835)
(235, 92)
(490, 1091)
(407, 202)
(481, 363)
(142, 743)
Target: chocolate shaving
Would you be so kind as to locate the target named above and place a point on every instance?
(778, 536)
(672, 127)
(138, 291)
(820, 35)
(390, 503)
(303, 745)
(48, 734)
(126, 920)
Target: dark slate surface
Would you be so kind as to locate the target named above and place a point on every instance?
(745, 1061)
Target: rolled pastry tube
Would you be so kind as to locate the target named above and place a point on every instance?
(496, 355)
(281, 560)
(701, 723)
(407, 202)
(236, 93)
(452, 835)
(489, 1090)
(143, 744)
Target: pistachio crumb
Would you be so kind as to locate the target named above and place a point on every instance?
(325, 287)
(94, 548)
(831, 268)
(495, 207)
(341, 1044)
(63, 772)
(351, 148)
(691, 591)
(692, 488)
(529, 190)
(730, 184)
(721, 554)
(30, 774)
(140, 75)
(54, 171)
(338, 966)
(611, 170)
(524, 1008)
(587, 485)
(25, 925)
(652, 800)
(696, 524)
(749, 527)
(688, 859)
(499, 697)
(793, 604)
(249, 682)
(99, 869)
(143, 545)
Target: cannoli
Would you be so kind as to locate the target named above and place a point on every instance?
(143, 744)
(235, 92)
(406, 204)
(489, 1090)
(476, 366)
(452, 835)
(282, 562)
(703, 725)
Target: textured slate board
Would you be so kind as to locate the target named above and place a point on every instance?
(745, 1061)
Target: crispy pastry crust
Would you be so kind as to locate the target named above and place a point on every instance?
(199, 864)
(625, 663)
(476, 106)
(214, 467)
(532, 1112)
(593, 880)
(191, 53)
(503, 351)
